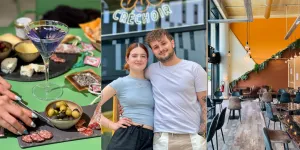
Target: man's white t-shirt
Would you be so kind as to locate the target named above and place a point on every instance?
(177, 109)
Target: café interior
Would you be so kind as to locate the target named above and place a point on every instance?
(253, 97)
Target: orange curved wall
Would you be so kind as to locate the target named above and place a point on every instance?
(266, 36)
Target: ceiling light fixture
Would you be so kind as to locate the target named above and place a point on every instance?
(293, 27)
(268, 9)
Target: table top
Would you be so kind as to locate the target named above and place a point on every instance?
(288, 106)
(292, 128)
(24, 89)
(273, 93)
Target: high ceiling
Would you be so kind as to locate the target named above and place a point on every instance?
(235, 9)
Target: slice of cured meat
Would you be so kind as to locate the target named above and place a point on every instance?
(26, 139)
(94, 126)
(36, 137)
(57, 59)
(80, 129)
(80, 123)
(45, 134)
(87, 132)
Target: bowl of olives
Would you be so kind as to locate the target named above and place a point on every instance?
(5, 49)
(63, 113)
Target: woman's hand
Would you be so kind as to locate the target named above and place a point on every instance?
(122, 123)
(10, 111)
(5, 90)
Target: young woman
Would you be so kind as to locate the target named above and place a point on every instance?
(135, 128)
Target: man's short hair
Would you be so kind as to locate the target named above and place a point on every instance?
(156, 35)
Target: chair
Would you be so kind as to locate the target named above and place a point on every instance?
(211, 126)
(268, 145)
(267, 97)
(210, 107)
(218, 100)
(285, 97)
(276, 136)
(43, 6)
(297, 99)
(236, 93)
(279, 93)
(251, 92)
(220, 124)
(234, 104)
(270, 115)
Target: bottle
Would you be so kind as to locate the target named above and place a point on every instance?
(20, 24)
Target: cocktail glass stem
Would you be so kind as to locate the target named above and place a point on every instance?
(46, 63)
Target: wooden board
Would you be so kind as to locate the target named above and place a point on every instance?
(62, 135)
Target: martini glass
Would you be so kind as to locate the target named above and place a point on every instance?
(46, 36)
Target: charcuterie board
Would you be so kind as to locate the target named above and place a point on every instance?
(62, 135)
(55, 69)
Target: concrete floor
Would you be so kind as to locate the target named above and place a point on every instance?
(8, 10)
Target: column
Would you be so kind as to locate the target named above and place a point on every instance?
(224, 48)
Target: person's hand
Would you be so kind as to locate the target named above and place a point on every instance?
(202, 128)
(120, 110)
(122, 123)
(10, 112)
(5, 90)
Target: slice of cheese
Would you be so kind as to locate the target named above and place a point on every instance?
(8, 65)
(26, 71)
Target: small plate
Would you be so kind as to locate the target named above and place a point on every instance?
(82, 80)
(95, 88)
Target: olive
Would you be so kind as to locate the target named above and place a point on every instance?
(68, 112)
(75, 114)
(58, 104)
(61, 115)
(56, 112)
(63, 108)
(54, 117)
(50, 112)
(54, 106)
(63, 103)
(76, 109)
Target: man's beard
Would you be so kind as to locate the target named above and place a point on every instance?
(167, 58)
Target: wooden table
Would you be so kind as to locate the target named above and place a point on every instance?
(215, 100)
(288, 106)
(292, 128)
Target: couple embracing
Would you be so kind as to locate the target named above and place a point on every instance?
(163, 105)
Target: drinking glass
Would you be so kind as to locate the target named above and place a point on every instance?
(46, 35)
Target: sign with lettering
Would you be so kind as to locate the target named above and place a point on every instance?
(132, 14)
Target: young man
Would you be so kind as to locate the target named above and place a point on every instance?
(179, 88)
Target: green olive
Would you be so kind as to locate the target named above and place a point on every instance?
(75, 114)
(58, 104)
(63, 103)
(51, 112)
(62, 108)
(55, 112)
(68, 112)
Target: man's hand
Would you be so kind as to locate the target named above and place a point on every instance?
(10, 111)
(201, 96)
(202, 128)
